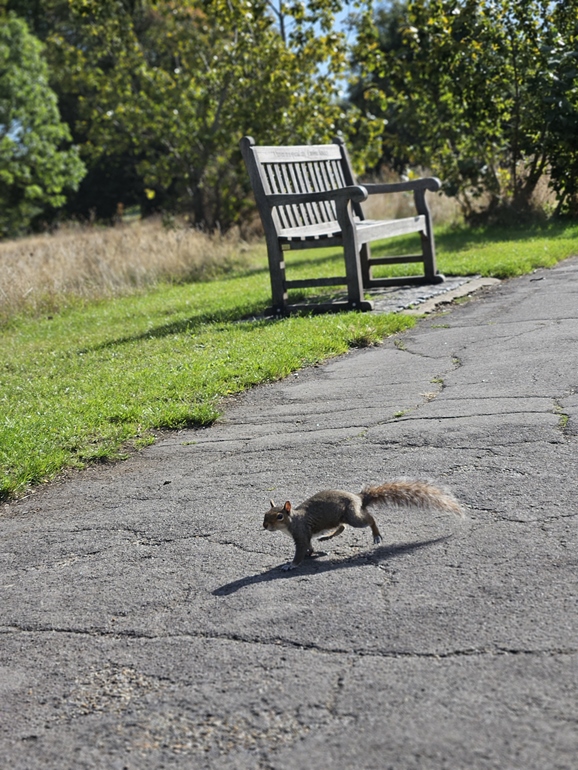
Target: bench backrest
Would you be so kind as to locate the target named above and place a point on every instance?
(297, 169)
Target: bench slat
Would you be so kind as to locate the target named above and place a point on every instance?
(401, 260)
(310, 231)
(305, 186)
(302, 284)
(328, 183)
(326, 241)
(297, 153)
(370, 230)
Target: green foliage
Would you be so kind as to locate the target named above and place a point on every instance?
(483, 92)
(561, 106)
(161, 93)
(35, 171)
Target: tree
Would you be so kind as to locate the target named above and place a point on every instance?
(165, 90)
(35, 168)
(473, 89)
(202, 75)
(561, 106)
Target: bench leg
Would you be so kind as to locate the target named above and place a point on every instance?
(279, 295)
(365, 256)
(429, 259)
(351, 249)
(427, 240)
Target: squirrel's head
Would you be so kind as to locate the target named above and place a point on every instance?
(277, 519)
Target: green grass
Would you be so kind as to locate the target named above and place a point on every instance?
(77, 387)
(87, 383)
(491, 251)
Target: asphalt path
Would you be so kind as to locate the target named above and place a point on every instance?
(145, 622)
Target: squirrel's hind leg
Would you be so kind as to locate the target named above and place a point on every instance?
(336, 532)
(375, 531)
(361, 517)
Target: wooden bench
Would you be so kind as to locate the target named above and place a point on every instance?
(307, 198)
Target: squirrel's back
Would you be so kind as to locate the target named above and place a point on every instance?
(327, 509)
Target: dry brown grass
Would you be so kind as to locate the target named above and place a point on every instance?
(46, 272)
(444, 210)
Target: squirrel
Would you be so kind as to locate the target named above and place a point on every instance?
(326, 513)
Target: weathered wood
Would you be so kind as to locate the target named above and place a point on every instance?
(308, 197)
(401, 260)
(338, 280)
(374, 231)
(322, 307)
(351, 192)
(325, 241)
(297, 153)
(310, 231)
(426, 183)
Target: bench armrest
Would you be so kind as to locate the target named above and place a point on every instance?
(355, 193)
(431, 183)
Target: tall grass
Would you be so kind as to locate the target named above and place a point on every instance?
(49, 272)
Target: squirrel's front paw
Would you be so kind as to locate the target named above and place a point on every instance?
(289, 566)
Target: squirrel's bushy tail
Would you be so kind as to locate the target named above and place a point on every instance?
(407, 493)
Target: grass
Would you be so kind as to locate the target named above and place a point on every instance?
(490, 251)
(46, 273)
(498, 252)
(77, 387)
(84, 376)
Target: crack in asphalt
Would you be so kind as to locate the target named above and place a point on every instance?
(413, 414)
(141, 541)
(477, 414)
(543, 520)
(277, 642)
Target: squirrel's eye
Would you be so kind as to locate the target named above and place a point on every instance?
(279, 517)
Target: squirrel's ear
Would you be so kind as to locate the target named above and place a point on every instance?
(272, 502)
(287, 507)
